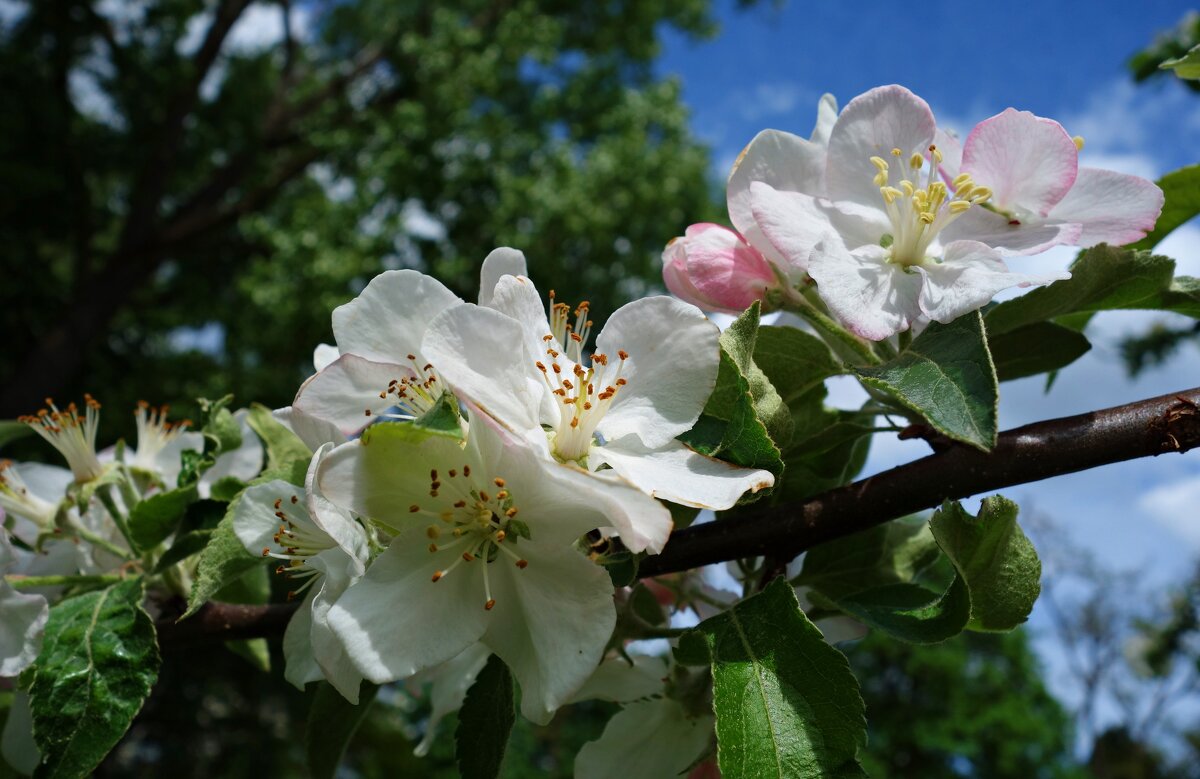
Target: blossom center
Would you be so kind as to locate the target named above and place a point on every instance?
(584, 395)
(919, 207)
(414, 395)
(296, 541)
(476, 522)
(154, 433)
(74, 436)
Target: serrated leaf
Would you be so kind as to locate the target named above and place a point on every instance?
(831, 453)
(994, 557)
(1036, 348)
(332, 722)
(224, 558)
(11, 430)
(1181, 189)
(1104, 278)
(226, 488)
(184, 547)
(793, 360)
(1187, 66)
(946, 375)
(98, 662)
(786, 702)
(739, 341)
(895, 552)
(156, 517)
(219, 425)
(485, 722)
(282, 445)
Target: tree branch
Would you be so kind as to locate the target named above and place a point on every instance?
(1147, 428)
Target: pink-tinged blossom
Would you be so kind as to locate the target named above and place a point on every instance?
(1032, 166)
(887, 242)
(715, 269)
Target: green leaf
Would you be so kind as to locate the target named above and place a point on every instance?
(225, 559)
(794, 361)
(830, 452)
(156, 517)
(332, 721)
(898, 551)
(994, 557)
(283, 446)
(1182, 191)
(11, 430)
(1036, 348)
(646, 606)
(732, 426)
(484, 722)
(219, 425)
(622, 567)
(946, 375)
(443, 418)
(1104, 278)
(786, 702)
(226, 488)
(1187, 66)
(255, 651)
(184, 547)
(98, 663)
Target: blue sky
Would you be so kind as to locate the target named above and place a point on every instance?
(1064, 60)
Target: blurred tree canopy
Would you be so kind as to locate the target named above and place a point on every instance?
(190, 196)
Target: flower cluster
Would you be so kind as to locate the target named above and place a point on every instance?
(894, 222)
(467, 459)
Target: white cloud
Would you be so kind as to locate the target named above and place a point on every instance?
(259, 27)
(1176, 505)
(772, 99)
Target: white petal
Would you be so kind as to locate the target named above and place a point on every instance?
(334, 521)
(451, 680)
(873, 124)
(300, 667)
(645, 740)
(254, 520)
(500, 262)
(785, 162)
(396, 621)
(872, 297)
(1112, 207)
(618, 681)
(827, 114)
(517, 297)
(550, 624)
(312, 431)
(168, 463)
(243, 463)
(795, 223)
(969, 276)
(347, 389)
(323, 355)
(676, 473)
(1025, 236)
(22, 620)
(672, 368)
(386, 321)
(478, 354)
(951, 149)
(340, 571)
(48, 482)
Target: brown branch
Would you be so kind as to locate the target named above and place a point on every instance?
(1169, 423)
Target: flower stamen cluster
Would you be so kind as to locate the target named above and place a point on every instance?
(296, 541)
(154, 433)
(74, 436)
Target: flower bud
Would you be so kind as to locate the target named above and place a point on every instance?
(714, 268)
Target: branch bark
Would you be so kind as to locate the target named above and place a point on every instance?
(1147, 428)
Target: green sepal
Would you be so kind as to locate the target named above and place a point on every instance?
(332, 722)
(485, 722)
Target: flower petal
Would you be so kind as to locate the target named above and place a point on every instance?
(22, 619)
(1112, 207)
(784, 161)
(517, 297)
(310, 430)
(726, 269)
(794, 223)
(827, 114)
(339, 572)
(243, 463)
(873, 124)
(675, 276)
(1029, 162)
(476, 353)
(1025, 236)
(676, 473)
(969, 276)
(300, 667)
(254, 520)
(672, 368)
(384, 619)
(550, 624)
(645, 740)
(347, 392)
(332, 520)
(874, 298)
(323, 355)
(618, 681)
(500, 262)
(387, 320)
(951, 149)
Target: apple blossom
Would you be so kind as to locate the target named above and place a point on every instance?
(874, 244)
(72, 435)
(33, 491)
(653, 370)
(716, 269)
(22, 618)
(1032, 166)
(322, 548)
(481, 547)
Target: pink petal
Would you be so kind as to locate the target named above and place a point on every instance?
(725, 273)
(951, 149)
(873, 124)
(873, 298)
(1011, 236)
(969, 276)
(675, 276)
(1029, 162)
(1112, 207)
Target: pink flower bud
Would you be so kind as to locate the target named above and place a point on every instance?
(714, 268)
